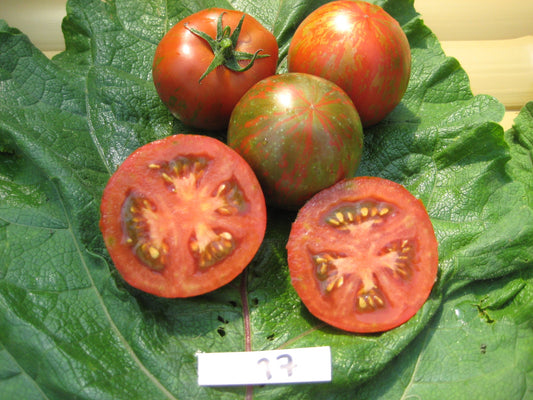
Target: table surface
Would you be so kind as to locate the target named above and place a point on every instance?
(493, 40)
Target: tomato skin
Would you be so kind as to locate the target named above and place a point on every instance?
(181, 58)
(361, 48)
(357, 271)
(158, 197)
(300, 134)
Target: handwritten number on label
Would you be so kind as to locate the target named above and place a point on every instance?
(288, 365)
(307, 364)
(265, 361)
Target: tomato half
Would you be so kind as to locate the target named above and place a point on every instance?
(361, 48)
(182, 216)
(363, 255)
(183, 56)
(300, 134)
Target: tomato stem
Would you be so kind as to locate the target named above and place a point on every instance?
(223, 47)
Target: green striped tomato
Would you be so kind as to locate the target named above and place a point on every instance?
(300, 134)
(361, 48)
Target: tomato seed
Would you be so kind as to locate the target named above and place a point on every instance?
(357, 213)
(225, 210)
(154, 253)
(333, 221)
(350, 217)
(167, 178)
(369, 301)
(221, 189)
(214, 249)
(362, 303)
(226, 235)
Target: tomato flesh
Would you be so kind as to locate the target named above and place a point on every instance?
(182, 216)
(363, 255)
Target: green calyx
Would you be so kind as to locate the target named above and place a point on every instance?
(223, 47)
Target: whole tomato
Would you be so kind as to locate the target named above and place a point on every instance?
(207, 61)
(361, 48)
(300, 134)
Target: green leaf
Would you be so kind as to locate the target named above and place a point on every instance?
(521, 145)
(462, 354)
(70, 327)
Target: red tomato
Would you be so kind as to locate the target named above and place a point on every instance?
(363, 255)
(361, 48)
(182, 216)
(182, 57)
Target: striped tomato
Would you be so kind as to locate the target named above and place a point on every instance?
(361, 48)
(300, 134)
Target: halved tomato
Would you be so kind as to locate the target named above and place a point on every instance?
(182, 216)
(362, 254)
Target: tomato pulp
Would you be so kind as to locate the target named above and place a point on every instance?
(361, 48)
(182, 216)
(362, 254)
(182, 57)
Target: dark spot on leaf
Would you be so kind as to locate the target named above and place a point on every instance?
(221, 331)
(255, 301)
(483, 348)
(484, 314)
(222, 319)
(233, 303)
(270, 337)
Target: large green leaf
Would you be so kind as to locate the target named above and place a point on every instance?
(71, 328)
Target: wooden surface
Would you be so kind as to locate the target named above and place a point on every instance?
(493, 40)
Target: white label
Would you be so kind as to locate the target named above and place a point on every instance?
(310, 364)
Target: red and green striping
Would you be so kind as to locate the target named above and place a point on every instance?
(300, 134)
(361, 48)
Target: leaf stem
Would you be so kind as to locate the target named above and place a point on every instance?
(246, 321)
(246, 311)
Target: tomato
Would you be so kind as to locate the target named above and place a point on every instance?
(361, 48)
(182, 216)
(300, 134)
(363, 255)
(196, 66)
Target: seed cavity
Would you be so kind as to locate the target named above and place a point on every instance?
(182, 171)
(138, 214)
(398, 256)
(209, 247)
(326, 271)
(231, 198)
(349, 215)
(369, 300)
